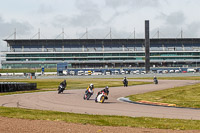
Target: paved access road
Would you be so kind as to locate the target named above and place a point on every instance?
(72, 101)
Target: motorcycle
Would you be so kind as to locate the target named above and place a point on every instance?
(101, 97)
(88, 94)
(60, 89)
(155, 81)
(125, 82)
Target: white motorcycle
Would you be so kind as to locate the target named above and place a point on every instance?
(100, 98)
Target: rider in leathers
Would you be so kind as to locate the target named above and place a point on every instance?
(155, 80)
(64, 84)
(91, 87)
(106, 91)
(125, 82)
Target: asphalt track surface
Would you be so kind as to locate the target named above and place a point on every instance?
(72, 101)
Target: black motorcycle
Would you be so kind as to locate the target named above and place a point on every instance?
(125, 82)
(155, 81)
(60, 89)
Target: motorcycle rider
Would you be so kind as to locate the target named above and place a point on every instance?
(155, 80)
(125, 82)
(63, 84)
(105, 90)
(91, 87)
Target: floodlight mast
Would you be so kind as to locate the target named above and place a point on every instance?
(147, 45)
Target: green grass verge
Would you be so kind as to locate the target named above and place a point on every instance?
(52, 84)
(185, 96)
(170, 78)
(100, 120)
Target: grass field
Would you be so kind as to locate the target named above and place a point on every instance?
(105, 120)
(172, 78)
(52, 84)
(186, 96)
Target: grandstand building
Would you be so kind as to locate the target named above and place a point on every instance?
(101, 53)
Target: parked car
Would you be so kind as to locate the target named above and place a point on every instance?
(177, 71)
(191, 70)
(165, 71)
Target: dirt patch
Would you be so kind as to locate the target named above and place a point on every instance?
(11, 125)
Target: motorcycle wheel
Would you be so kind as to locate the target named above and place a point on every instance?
(88, 96)
(96, 99)
(84, 97)
(102, 99)
(60, 90)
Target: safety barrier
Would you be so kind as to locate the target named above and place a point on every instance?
(16, 86)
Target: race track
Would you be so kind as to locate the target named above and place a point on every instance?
(72, 101)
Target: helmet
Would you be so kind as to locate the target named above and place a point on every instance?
(106, 87)
(91, 85)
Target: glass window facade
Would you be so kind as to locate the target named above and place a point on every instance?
(83, 52)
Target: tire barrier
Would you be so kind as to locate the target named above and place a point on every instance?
(16, 86)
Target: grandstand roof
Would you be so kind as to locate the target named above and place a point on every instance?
(153, 40)
(156, 39)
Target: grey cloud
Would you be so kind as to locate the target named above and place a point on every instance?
(175, 18)
(83, 20)
(192, 30)
(89, 16)
(23, 28)
(7, 28)
(172, 24)
(86, 19)
(167, 31)
(44, 9)
(132, 3)
(87, 6)
(60, 21)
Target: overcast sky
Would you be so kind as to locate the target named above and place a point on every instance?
(98, 16)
